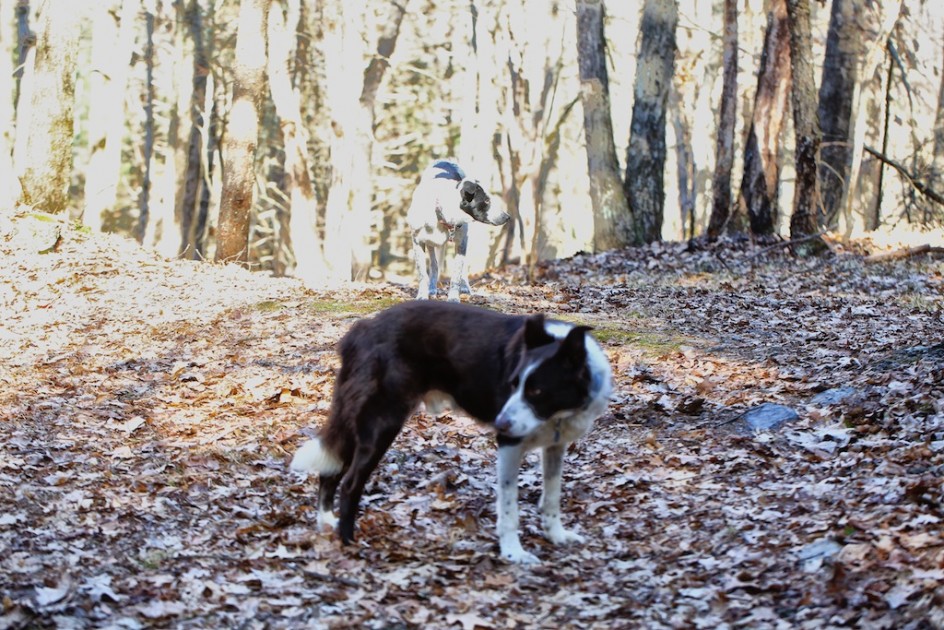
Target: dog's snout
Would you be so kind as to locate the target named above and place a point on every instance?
(501, 218)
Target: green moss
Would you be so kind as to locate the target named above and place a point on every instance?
(269, 306)
(362, 306)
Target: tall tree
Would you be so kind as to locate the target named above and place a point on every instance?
(803, 223)
(112, 41)
(856, 30)
(9, 185)
(612, 224)
(646, 152)
(195, 175)
(937, 164)
(45, 113)
(239, 143)
(760, 186)
(352, 104)
(724, 148)
(303, 232)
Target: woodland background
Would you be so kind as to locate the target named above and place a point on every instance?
(307, 124)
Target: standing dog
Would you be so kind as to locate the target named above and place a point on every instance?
(540, 383)
(443, 204)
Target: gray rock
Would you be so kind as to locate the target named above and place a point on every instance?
(769, 416)
(833, 396)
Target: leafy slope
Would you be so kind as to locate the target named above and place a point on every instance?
(148, 409)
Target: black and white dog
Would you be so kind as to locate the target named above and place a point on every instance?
(539, 383)
(443, 203)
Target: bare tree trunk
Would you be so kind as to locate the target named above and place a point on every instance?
(147, 150)
(239, 143)
(855, 30)
(724, 149)
(303, 234)
(351, 104)
(806, 198)
(937, 163)
(194, 181)
(112, 41)
(612, 226)
(646, 152)
(9, 185)
(26, 41)
(760, 187)
(45, 117)
(685, 158)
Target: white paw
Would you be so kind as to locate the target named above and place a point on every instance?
(517, 555)
(422, 296)
(327, 521)
(560, 536)
(453, 297)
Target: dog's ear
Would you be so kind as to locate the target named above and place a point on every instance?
(469, 190)
(573, 348)
(535, 334)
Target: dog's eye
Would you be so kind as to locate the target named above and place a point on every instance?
(532, 392)
(515, 382)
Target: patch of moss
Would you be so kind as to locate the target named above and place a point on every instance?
(269, 306)
(365, 306)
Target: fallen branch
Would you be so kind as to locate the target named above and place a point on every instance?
(920, 186)
(907, 252)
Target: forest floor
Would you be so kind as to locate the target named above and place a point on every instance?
(149, 408)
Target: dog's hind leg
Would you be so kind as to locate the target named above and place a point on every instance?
(419, 256)
(379, 423)
(435, 256)
(551, 465)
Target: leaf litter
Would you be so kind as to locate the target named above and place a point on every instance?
(149, 407)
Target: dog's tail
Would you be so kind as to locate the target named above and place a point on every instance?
(330, 452)
(313, 456)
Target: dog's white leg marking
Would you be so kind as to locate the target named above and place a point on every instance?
(458, 271)
(551, 465)
(435, 256)
(509, 460)
(419, 256)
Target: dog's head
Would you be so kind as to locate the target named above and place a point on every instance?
(475, 202)
(551, 376)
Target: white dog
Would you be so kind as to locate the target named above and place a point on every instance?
(443, 204)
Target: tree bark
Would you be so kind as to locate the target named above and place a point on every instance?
(612, 224)
(112, 41)
(646, 152)
(9, 184)
(45, 114)
(803, 221)
(303, 221)
(147, 150)
(685, 158)
(239, 143)
(937, 163)
(724, 150)
(857, 31)
(760, 187)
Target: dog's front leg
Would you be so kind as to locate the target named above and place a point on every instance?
(419, 256)
(458, 272)
(509, 460)
(552, 465)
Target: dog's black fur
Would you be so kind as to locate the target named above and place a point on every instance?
(474, 356)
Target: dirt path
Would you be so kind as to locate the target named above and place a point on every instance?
(148, 409)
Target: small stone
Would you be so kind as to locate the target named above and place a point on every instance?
(769, 416)
(833, 396)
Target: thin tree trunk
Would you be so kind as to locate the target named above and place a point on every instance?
(724, 150)
(45, 114)
(303, 234)
(239, 143)
(26, 40)
(646, 152)
(937, 159)
(685, 158)
(193, 176)
(612, 225)
(144, 196)
(9, 184)
(112, 41)
(760, 187)
(806, 197)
